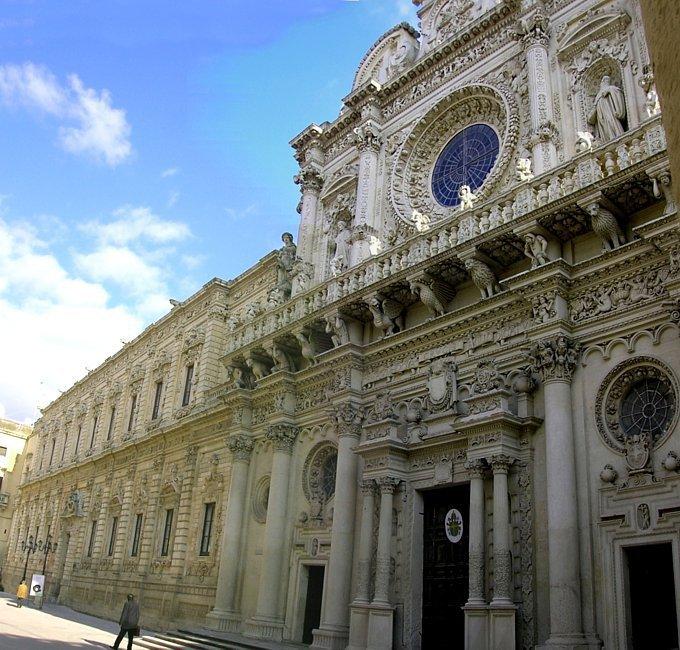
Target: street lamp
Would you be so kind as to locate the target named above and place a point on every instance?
(48, 546)
(28, 547)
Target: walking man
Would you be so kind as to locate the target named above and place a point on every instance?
(22, 593)
(129, 622)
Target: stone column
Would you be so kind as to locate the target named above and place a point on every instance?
(123, 523)
(358, 628)
(225, 614)
(368, 141)
(334, 627)
(555, 359)
(310, 181)
(502, 568)
(181, 542)
(534, 36)
(268, 622)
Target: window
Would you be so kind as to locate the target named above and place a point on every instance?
(137, 536)
(208, 516)
(187, 385)
(647, 408)
(466, 160)
(42, 456)
(54, 442)
(111, 420)
(157, 400)
(80, 430)
(167, 530)
(133, 406)
(3, 451)
(93, 532)
(63, 449)
(112, 539)
(94, 430)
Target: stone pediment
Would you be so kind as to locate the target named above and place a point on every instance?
(584, 31)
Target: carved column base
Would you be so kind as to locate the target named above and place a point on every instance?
(380, 627)
(261, 627)
(502, 626)
(358, 626)
(223, 621)
(476, 626)
(325, 637)
(571, 642)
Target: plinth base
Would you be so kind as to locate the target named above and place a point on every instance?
(502, 626)
(260, 627)
(223, 621)
(571, 642)
(380, 627)
(330, 638)
(358, 626)
(476, 627)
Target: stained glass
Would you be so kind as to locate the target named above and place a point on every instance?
(466, 160)
(647, 408)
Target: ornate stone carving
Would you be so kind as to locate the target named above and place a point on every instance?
(487, 378)
(307, 348)
(382, 409)
(608, 474)
(337, 328)
(285, 260)
(442, 387)
(241, 446)
(523, 170)
(482, 277)
(584, 141)
(643, 516)
(535, 248)
(388, 314)
(348, 418)
(619, 404)
(427, 296)
(388, 484)
(368, 136)
(605, 224)
(501, 462)
(309, 179)
(543, 307)
(475, 468)
(555, 358)
(609, 111)
(467, 197)
(282, 436)
(533, 30)
(74, 505)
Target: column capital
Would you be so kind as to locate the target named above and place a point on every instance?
(555, 358)
(368, 136)
(475, 468)
(348, 418)
(368, 487)
(388, 484)
(309, 179)
(282, 436)
(241, 446)
(534, 30)
(500, 463)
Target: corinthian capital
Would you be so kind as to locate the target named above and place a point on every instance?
(555, 359)
(309, 179)
(500, 463)
(533, 30)
(241, 446)
(368, 137)
(282, 436)
(388, 484)
(475, 468)
(348, 419)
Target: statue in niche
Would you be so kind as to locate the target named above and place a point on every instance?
(286, 258)
(609, 111)
(397, 60)
(342, 249)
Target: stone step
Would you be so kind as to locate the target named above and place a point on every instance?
(168, 642)
(214, 641)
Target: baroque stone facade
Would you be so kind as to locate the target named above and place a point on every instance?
(450, 408)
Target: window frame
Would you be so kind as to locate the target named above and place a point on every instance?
(188, 380)
(167, 532)
(155, 411)
(206, 535)
(133, 406)
(93, 533)
(137, 535)
(113, 533)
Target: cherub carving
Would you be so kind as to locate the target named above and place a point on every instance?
(584, 141)
(523, 170)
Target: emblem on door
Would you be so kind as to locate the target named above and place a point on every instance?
(453, 525)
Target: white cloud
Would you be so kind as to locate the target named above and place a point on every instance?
(91, 125)
(171, 171)
(173, 198)
(244, 213)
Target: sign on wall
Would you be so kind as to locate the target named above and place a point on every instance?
(37, 583)
(453, 525)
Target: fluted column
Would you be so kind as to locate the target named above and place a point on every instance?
(475, 470)
(387, 485)
(335, 622)
(502, 569)
(268, 622)
(310, 181)
(225, 614)
(368, 141)
(555, 359)
(534, 36)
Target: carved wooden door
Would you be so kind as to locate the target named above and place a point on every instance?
(445, 568)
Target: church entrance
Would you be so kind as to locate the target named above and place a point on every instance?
(313, 600)
(652, 620)
(445, 567)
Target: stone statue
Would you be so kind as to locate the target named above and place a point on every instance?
(609, 111)
(421, 221)
(343, 248)
(306, 347)
(535, 247)
(606, 226)
(387, 314)
(238, 376)
(286, 258)
(483, 277)
(337, 328)
(302, 275)
(467, 198)
(523, 170)
(584, 141)
(428, 298)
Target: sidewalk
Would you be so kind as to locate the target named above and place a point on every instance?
(55, 627)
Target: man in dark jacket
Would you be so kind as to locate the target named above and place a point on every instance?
(129, 622)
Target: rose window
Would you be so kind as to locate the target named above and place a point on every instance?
(647, 408)
(318, 477)
(466, 160)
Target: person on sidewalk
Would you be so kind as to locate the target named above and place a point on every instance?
(129, 622)
(22, 593)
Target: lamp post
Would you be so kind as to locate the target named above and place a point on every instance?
(47, 546)
(28, 547)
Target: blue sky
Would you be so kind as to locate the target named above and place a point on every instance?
(143, 151)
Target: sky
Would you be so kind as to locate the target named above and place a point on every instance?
(143, 151)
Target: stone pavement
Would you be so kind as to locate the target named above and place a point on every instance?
(55, 627)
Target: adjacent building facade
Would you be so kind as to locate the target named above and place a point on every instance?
(449, 413)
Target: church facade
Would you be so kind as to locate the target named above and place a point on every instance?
(448, 415)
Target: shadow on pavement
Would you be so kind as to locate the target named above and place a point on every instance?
(14, 642)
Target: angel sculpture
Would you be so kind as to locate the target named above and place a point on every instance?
(606, 226)
(535, 247)
(388, 314)
(428, 298)
(482, 277)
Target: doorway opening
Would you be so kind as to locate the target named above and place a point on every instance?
(445, 567)
(652, 619)
(313, 600)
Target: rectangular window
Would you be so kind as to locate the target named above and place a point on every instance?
(3, 451)
(133, 406)
(93, 532)
(42, 456)
(63, 449)
(111, 419)
(208, 516)
(94, 430)
(137, 536)
(157, 400)
(167, 530)
(112, 539)
(80, 430)
(54, 442)
(187, 385)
